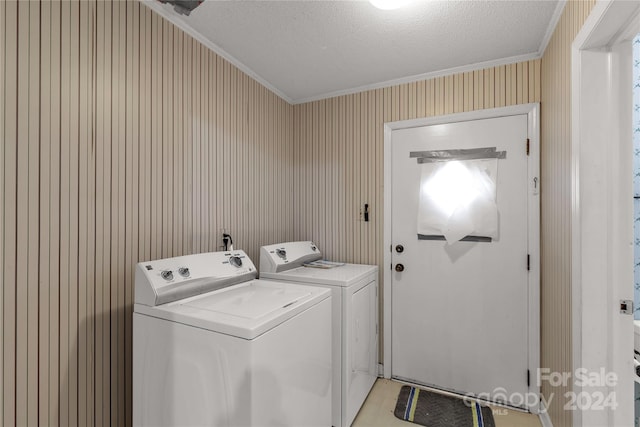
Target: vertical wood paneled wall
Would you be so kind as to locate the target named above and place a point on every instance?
(555, 178)
(339, 167)
(123, 140)
(339, 151)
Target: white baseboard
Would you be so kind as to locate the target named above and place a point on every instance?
(544, 416)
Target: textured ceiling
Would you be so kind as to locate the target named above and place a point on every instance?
(308, 50)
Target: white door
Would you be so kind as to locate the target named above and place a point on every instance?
(460, 312)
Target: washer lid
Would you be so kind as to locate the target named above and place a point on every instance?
(245, 311)
(344, 275)
(250, 302)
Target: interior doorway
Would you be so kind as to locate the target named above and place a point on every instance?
(602, 220)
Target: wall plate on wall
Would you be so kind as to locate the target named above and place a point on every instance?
(626, 306)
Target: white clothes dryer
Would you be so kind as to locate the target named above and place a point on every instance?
(213, 346)
(354, 290)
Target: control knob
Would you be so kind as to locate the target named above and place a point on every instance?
(167, 275)
(184, 271)
(235, 261)
(281, 253)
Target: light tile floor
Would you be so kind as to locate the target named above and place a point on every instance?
(378, 410)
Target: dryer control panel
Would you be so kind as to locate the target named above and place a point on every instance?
(285, 256)
(171, 279)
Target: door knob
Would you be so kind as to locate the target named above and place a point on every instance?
(399, 268)
(399, 249)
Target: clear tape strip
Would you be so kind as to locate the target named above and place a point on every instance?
(464, 239)
(457, 154)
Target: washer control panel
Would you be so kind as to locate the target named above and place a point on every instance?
(173, 277)
(285, 256)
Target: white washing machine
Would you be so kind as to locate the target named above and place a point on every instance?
(354, 290)
(213, 346)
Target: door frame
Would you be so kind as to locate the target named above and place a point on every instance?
(602, 233)
(533, 119)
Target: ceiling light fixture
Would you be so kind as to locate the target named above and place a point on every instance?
(389, 4)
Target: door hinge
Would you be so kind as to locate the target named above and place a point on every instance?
(527, 146)
(528, 378)
(528, 262)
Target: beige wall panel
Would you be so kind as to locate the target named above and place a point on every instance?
(178, 136)
(519, 87)
(402, 93)
(132, 141)
(412, 107)
(153, 138)
(537, 80)
(441, 92)
(339, 160)
(421, 105)
(532, 71)
(9, 208)
(166, 110)
(34, 211)
(146, 101)
(104, 212)
(297, 181)
(458, 93)
(231, 142)
(44, 218)
(512, 82)
(449, 94)
(489, 88)
(467, 92)
(500, 85)
(224, 140)
(133, 129)
(184, 87)
(196, 135)
(83, 217)
(478, 89)
(22, 249)
(200, 144)
(555, 90)
(74, 143)
(54, 210)
(65, 226)
(211, 147)
(132, 178)
(118, 248)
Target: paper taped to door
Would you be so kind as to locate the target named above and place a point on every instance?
(458, 199)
